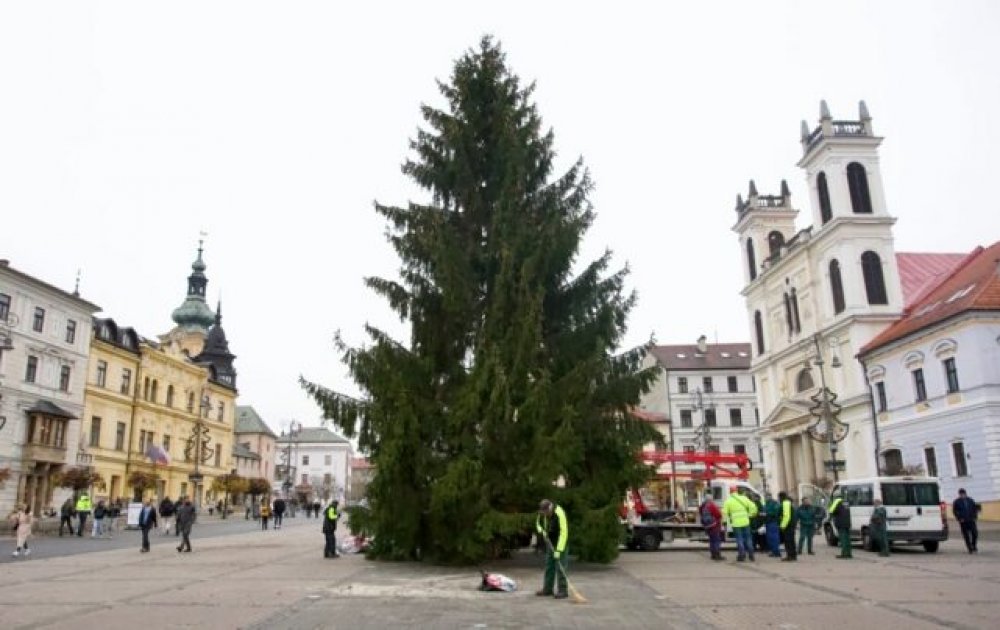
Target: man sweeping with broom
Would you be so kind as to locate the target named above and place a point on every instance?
(553, 528)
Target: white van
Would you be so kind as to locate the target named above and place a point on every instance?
(912, 504)
(720, 492)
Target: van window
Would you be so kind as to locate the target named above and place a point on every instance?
(910, 494)
(859, 495)
(750, 494)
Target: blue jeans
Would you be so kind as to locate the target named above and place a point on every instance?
(744, 541)
(771, 530)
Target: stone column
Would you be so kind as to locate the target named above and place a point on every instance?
(789, 465)
(778, 478)
(808, 458)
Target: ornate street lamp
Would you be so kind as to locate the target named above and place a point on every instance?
(827, 427)
(293, 430)
(198, 442)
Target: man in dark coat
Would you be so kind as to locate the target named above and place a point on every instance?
(279, 512)
(330, 517)
(840, 512)
(966, 511)
(185, 519)
(147, 521)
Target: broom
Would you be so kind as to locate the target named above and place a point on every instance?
(574, 595)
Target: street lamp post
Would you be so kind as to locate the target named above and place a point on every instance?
(827, 428)
(198, 435)
(293, 431)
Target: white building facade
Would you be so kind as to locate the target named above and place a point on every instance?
(935, 378)
(321, 462)
(45, 339)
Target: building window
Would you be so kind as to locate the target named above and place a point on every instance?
(775, 241)
(190, 405)
(686, 419)
(795, 311)
(145, 388)
(825, 210)
(951, 374)
(166, 444)
(857, 181)
(733, 384)
(706, 384)
(4, 307)
(120, 437)
(682, 385)
(804, 381)
(152, 390)
(758, 326)
(218, 457)
(918, 384)
(328, 459)
(70, 331)
(64, 374)
(713, 448)
(736, 417)
(751, 260)
(880, 396)
(836, 287)
(958, 454)
(327, 479)
(102, 373)
(305, 460)
(170, 395)
(710, 417)
(871, 268)
(222, 411)
(740, 449)
(126, 381)
(31, 371)
(305, 479)
(893, 461)
(930, 459)
(95, 431)
(38, 324)
(689, 449)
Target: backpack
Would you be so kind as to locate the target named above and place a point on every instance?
(706, 515)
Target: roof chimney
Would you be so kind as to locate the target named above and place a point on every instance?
(702, 344)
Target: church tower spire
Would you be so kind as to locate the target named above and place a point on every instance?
(194, 315)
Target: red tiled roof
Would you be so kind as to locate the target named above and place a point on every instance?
(648, 416)
(919, 273)
(717, 356)
(361, 462)
(974, 285)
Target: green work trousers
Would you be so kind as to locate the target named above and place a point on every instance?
(880, 538)
(806, 537)
(844, 537)
(552, 572)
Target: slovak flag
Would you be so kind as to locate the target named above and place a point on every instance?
(157, 454)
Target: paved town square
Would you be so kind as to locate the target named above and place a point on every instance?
(240, 577)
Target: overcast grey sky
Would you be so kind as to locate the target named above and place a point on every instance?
(126, 128)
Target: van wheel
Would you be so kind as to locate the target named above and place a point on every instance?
(866, 540)
(649, 541)
(930, 546)
(831, 538)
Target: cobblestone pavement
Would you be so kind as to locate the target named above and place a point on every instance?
(266, 580)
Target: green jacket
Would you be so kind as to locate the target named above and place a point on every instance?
(806, 515)
(772, 511)
(879, 519)
(556, 529)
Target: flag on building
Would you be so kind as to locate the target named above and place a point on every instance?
(157, 454)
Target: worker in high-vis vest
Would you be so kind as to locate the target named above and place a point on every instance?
(330, 517)
(83, 508)
(840, 513)
(737, 511)
(787, 527)
(552, 527)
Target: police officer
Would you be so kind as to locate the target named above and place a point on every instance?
(551, 524)
(840, 512)
(330, 517)
(83, 507)
(878, 528)
(787, 527)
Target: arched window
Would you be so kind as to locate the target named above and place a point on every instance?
(170, 395)
(758, 325)
(857, 181)
(836, 287)
(751, 261)
(152, 392)
(774, 243)
(804, 382)
(871, 268)
(145, 389)
(788, 314)
(190, 405)
(825, 211)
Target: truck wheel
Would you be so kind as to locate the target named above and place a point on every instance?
(831, 538)
(649, 541)
(930, 546)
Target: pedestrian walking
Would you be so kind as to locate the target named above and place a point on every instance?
(966, 512)
(279, 512)
(806, 514)
(737, 511)
(772, 526)
(111, 520)
(711, 520)
(83, 506)
(840, 511)
(100, 512)
(552, 525)
(329, 529)
(787, 527)
(147, 521)
(878, 528)
(185, 520)
(21, 521)
(317, 506)
(265, 513)
(66, 513)
(167, 511)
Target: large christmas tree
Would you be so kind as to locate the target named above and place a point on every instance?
(511, 387)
